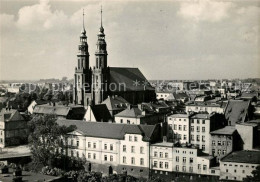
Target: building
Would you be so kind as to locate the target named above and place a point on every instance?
(98, 113)
(237, 165)
(238, 111)
(209, 107)
(224, 141)
(61, 111)
(13, 128)
(112, 148)
(179, 126)
(200, 127)
(115, 104)
(138, 115)
(94, 85)
(248, 133)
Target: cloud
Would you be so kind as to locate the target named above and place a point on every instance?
(205, 10)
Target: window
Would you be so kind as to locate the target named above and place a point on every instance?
(228, 143)
(141, 161)
(89, 155)
(227, 170)
(161, 154)
(213, 151)
(124, 148)
(235, 170)
(155, 154)
(130, 138)
(135, 138)
(184, 159)
(198, 121)
(94, 156)
(89, 144)
(198, 138)
(179, 136)
(224, 152)
(219, 151)
(199, 166)
(105, 157)
(166, 155)
(175, 127)
(203, 147)
(243, 171)
(77, 143)
(105, 146)
(223, 143)
(203, 121)
(192, 137)
(184, 119)
(132, 149)
(203, 129)
(191, 160)
(141, 150)
(191, 169)
(71, 142)
(77, 153)
(111, 147)
(204, 167)
(184, 137)
(71, 153)
(184, 128)
(213, 142)
(198, 129)
(192, 121)
(132, 160)
(177, 168)
(155, 164)
(124, 159)
(192, 128)
(219, 143)
(128, 121)
(177, 158)
(94, 145)
(161, 165)
(111, 158)
(184, 168)
(121, 120)
(180, 127)
(166, 165)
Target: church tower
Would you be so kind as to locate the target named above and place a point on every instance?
(100, 71)
(82, 76)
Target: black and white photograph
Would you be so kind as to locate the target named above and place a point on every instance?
(129, 90)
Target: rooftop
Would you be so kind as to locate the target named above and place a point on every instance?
(228, 130)
(179, 116)
(115, 103)
(10, 115)
(201, 116)
(163, 144)
(244, 156)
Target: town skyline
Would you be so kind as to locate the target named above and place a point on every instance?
(136, 36)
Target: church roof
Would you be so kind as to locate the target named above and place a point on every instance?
(128, 79)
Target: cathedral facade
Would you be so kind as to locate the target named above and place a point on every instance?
(92, 86)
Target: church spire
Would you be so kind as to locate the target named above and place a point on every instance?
(101, 30)
(83, 28)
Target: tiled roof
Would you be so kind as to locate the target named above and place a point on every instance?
(132, 112)
(101, 112)
(244, 156)
(115, 103)
(228, 130)
(109, 130)
(48, 109)
(125, 79)
(236, 111)
(10, 115)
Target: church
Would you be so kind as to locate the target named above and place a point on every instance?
(94, 85)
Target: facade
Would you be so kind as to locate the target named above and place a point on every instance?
(179, 125)
(206, 107)
(238, 165)
(112, 148)
(224, 141)
(248, 133)
(93, 86)
(200, 127)
(13, 128)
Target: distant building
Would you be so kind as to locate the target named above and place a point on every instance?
(115, 104)
(98, 113)
(237, 165)
(209, 107)
(13, 128)
(224, 141)
(61, 111)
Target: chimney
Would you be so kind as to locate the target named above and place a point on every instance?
(129, 106)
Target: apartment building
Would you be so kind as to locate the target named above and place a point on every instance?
(179, 126)
(112, 148)
(209, 107)
(237, 165)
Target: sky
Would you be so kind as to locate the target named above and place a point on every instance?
(192, 39)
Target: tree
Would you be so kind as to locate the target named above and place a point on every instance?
(44, 138)
(255, 176)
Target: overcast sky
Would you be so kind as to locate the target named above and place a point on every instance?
(165, 40)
